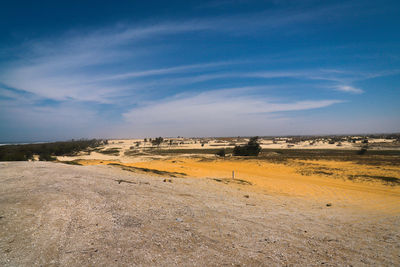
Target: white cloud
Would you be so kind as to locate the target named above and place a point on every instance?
(168, 70)
(73, 65)
(122, 65)
(92, 65)
(218, 112)
(349, 89)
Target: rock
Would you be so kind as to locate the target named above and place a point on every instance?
(329, 204)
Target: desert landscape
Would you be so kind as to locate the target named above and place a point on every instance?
(179, 201)
(200, 133)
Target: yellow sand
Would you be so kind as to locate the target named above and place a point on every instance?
(287, 179)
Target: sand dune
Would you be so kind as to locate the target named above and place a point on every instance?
(58, 214)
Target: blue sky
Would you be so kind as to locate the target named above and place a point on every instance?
(120, 69)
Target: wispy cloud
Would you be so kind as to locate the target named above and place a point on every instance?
(147, 73)
(349, 89)
(215, 110)
(168, 70)
(91, 65)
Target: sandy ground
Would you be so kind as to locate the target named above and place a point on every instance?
(55, 214)
(316, 180)
(184, 143)
(127, 145)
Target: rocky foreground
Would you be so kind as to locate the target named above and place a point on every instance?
(54, 214)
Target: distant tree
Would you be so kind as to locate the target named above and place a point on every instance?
(170, 142)
(252, 148)
(157, 141)
(145, 140)
(46, 150)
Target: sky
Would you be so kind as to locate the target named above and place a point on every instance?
(131, 69)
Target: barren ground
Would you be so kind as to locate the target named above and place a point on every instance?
(57, 214)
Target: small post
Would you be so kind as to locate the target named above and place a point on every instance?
(233, 174)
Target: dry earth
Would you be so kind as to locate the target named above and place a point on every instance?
(55, 214)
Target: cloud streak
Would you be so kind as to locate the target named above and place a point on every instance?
(215, 110)
(349, 89)
(94, 65)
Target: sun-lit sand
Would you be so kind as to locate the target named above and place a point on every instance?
(58, 214)
(285, 179)
(320, 180)
(137, 203)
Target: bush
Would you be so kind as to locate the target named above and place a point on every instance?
(111, 151)
(362, 151)
(157, 141)
(252, 148)
(221, 153)
(46, 157)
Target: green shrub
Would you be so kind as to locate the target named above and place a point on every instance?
(252, 148)
(362, 151)
(111, 151)
(157, 141)
(46, 157)
(46, 150)
(220, 153)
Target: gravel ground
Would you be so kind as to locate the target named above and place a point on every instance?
(55, 214)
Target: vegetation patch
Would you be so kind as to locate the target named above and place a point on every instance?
(125, 181)
(252, 148)
(221, 153)
(134, 152)
(111, 151)
(211, 151)
(338, 173)
(317, 171)
(71, 162)
(373, 157)
(232, 181)
(221, 144)
(46, 151)
(384, 179)
(147, 170)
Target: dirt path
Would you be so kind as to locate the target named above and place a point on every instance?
(55, 214)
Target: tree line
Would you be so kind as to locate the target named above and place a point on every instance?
(46, 151)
